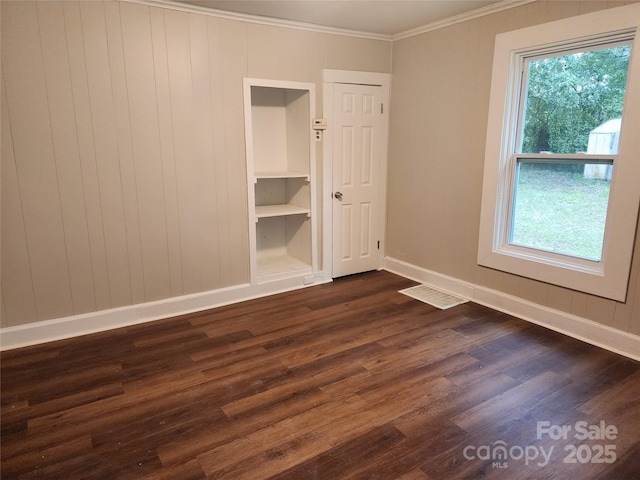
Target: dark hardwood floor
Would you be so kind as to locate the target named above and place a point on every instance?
(345, 380)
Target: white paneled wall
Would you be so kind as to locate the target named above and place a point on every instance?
(123, 169)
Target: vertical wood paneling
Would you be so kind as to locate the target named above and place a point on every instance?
(600, 310)
(125, 150)
(18, 298)
(233, 58)
(222, 191)
(593, 6)
(189, 183)
(284, 53)
(63, 125)
(559, 10)
(470, 212)
(27, 104)
(559, 298)
(481, 87)
(203, 161)
(627, 315)
(634, 315)
(86, 149)
(167, 147)
(537, 12)
(536, 292)
(94, 38)
(138, 56)
(579, 302)
(356, 54)
(3, 312)
(128, 182)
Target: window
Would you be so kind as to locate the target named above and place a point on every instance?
(562, 163)
(568, 127)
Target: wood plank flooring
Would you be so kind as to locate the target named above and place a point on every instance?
(349, 380)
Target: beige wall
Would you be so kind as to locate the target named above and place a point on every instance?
(123, 166)
(440, 96)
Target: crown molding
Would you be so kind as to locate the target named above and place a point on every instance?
(276, 22)
(463, 17)
(260, 20)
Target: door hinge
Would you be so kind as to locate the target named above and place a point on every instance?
(378, 244)
(382, 108)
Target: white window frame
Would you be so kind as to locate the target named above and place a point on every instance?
(608, 277)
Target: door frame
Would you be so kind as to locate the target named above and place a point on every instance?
(329, 79)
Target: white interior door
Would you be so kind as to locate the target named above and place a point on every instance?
(357, 149)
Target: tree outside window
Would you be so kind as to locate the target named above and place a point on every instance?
(558, 205)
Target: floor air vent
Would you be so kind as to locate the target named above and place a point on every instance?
(433, 297)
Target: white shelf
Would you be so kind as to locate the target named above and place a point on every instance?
(264, 211)
(282, 177)
(281, 174)
(281, 265)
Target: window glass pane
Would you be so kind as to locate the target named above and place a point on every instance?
(573, 103)
(561, 208)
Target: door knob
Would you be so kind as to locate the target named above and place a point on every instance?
(338, 195)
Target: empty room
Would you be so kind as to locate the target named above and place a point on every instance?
(320, 239)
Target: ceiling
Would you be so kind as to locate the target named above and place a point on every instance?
(382, 17)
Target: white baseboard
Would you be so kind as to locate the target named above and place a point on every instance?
(577, 327)
(583, 329)
(87, 323)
